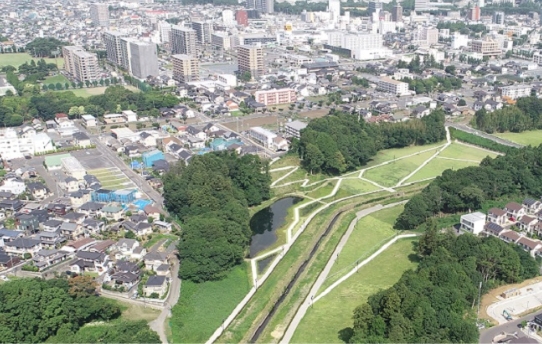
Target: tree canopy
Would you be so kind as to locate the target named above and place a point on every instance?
(44, 46)
(36, 310)
(525, 115)
(435, 303)
(211, 197)
(340, 142)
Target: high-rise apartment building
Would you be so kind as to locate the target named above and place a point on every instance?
(397, 13)
(80, 64)
(182, 40)
(143, 59)
(423, 5)
(185, 68)
(99, 13)
(487, 47)
(241, 16)
(375, 6)
(334, 7)
(164, 28)
(474, 13)
(498, 18)
(112, 41)
(250, 59)
(203, 31)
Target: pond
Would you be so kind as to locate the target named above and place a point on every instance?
(265, 223)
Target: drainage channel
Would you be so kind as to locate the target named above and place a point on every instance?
(265, 322)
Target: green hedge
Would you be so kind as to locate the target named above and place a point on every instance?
(480, 141)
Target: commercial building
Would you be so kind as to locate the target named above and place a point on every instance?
(73, 167)
(143, 59)
(257, 38)
(182, 40)
(112, 41)
(473, 222)
(388, 85)
(498, 18)
(397, 13)
(294, 128)
(203, 31)
(185, 68)
(99, 13)
(459, 40)
(426, 36)
(250, 59)
(274, 97)
(515, 91)
(241, 16)
(263, 6)
(486, 47)
(362, 46)
(264, 136)
(474, 13)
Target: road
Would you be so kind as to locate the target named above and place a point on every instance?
(470, 130)
(487, 335)
(159, 324)
(323, 275)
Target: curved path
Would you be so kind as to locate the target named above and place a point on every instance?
(325, 272)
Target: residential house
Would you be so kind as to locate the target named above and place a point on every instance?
(496, 215)
(51, 225)
(71, 230)
(7, 235)
(26, 222)
(139, 229)
(531, 206)
(38, 190)
(57, 208)
(200, 134)
(102, 246)
(492, 228)
(126, 247)
(50, 240)
(509, 236)
(420, 111)
(152, 212)
(90, 261)
(45, 258)
(20, 246)
(155, 285)
(74, 217)
(125, 274)
(153, 260)
(527, 223)
(163, 270)
(530, 245)
(147, 139)
(92, 226)
(8, 261)
(473, 222)
(514, 211)
(15, 185)
(70, 184)
(112, 212)
(91, 208)
(81, 139)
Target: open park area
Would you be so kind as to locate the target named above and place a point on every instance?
(17, 59)
(526, 138)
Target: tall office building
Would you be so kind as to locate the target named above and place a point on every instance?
(241, 16)
(498, 18)
(203, 31)
(80, 64)
(182, 40)
(375, 7)
(397, 13)
(143, 59)
(474, 13)
(112, 41)
(250, 59)
(99, 13)
(185, 68)
(334, 7)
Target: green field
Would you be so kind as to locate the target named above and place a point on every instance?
(370, 233)
(331, 317)
(436, 166)
(356, 186)
(112, 179)
(459, 151)
(279, 174)
(532, 137)
(287, 160)
(55, 79)
(324, 190)
(203, 307)
(392, 173)
(395, 153)
(18, 59)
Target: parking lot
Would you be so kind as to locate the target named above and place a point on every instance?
(530, 297)
(92, 159)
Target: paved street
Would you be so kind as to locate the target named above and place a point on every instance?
(487, 335)
(159, 324)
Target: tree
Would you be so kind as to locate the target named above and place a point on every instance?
(313, 158)
(462, 102)
(450, 69)
(27, 256)
(82, 286)
(58, 86)
(66, 85)
(246, 76)
(129, 235)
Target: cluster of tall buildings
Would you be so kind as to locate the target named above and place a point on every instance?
(80, 64)
(139, 58)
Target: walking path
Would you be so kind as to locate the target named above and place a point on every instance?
(325, 272)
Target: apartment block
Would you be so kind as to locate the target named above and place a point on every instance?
(182, 40)
(203, 31)
(487, 47)
(515, 91)
(164, 28)
(221, 40)
(112, 41)
(241, 16)
(397, 13)
(262, 135)
(80, 64)
(274, 97)
(250, 59)
(392, 86)
(185, 68)
(67, 54)
(14, 147)
(474, 13)
(99, 13)
(143, 59)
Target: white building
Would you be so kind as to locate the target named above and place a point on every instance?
(515, 91)
(262, 135)
(294, 128)
(129, 115)
(14, 147)
(459, 40)
(363, 46)
(334, 7)
(388, 85)
(89, 120)
(473, 222)
(73, 167)
(14, 185)
(228, 79)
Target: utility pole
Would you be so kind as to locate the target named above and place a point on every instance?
(479, 296)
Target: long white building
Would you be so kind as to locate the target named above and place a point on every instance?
(14, 147)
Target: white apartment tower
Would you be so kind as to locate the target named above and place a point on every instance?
(182, 40)
(143, 59)
(250, 59)
(185, 68)
(334, 7)
(164, 28)
(203, 31)
(99, 13)
(80, 64)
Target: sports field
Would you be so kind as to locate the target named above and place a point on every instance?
(18, 59)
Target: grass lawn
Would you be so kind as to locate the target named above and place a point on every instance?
(356, 186)
(203, 307)
(18, 59)
(436, 166)
(392, 173)
(157, 237)
(459, 151)
(54, 79)
(236, 113)
(287, 160)
(136, 312)
(332, 314)
(532, 137)
(370, 233)
(278, 174)
(324, 190)
(395, 153)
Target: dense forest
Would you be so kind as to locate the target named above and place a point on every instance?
(518, 173)
(340, 142)
(211, 197)
(525, 115)
(437, 302)
(35, 311)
